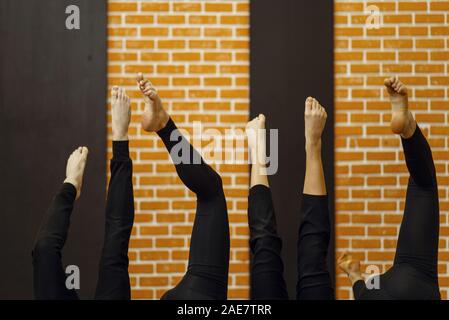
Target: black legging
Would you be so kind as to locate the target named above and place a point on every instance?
(414, 274)
(113, 278)
(314, 281)
(267, 280)
(267, 269)
(207, 272)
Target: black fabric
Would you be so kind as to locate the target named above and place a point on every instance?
(414, 274)
(207, 272)
(48, 273)
(113, 279)
(314, 281)
(267, 268)
(267, 279)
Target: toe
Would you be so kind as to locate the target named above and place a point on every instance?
(395, 85)
(147, 84)
(389, 81)
(395, 82)
(252, 122)
(153, 88)
(147, 88)
(262, 117)
(147, 91)
(152, 92)
(142, 85)
(84, 151)
(139, 78)
(114, 91)
(309, 101)
(314, 104)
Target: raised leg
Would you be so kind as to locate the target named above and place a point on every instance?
(207, 273)
(267, 268)
(314, 282)
(419, 232)
(48, 273)
(113, 279)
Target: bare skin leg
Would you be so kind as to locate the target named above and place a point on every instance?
(155, 117)
(256, 142)
(314, 230)
(314, 121)
(75, 168)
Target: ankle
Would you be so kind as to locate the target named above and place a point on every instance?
(354, 277)
(75, 184)
(164, 119)
(410, 128)
(120, 137)
(313, 145)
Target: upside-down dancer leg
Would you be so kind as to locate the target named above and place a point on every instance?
(414, 274)
(207, 273)
(48, 273)
(314, 282)
(113, 279)
(419, 233)
(267, 268)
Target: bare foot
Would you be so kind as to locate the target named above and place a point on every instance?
(255, 131)
(314, 121)
(154, 117)
(75, 168)
(121, 114)
(350, 266)
(402, 121)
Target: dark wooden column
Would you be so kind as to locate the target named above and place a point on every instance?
(52, 100)
(292, 58)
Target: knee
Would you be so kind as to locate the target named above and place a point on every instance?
(217, 185)
(212, 188)
(43, 248)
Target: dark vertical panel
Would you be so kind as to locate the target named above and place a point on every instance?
(292, 58)
(52, 99)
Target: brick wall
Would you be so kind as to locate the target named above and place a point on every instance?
(196, 53)
(371, 176)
